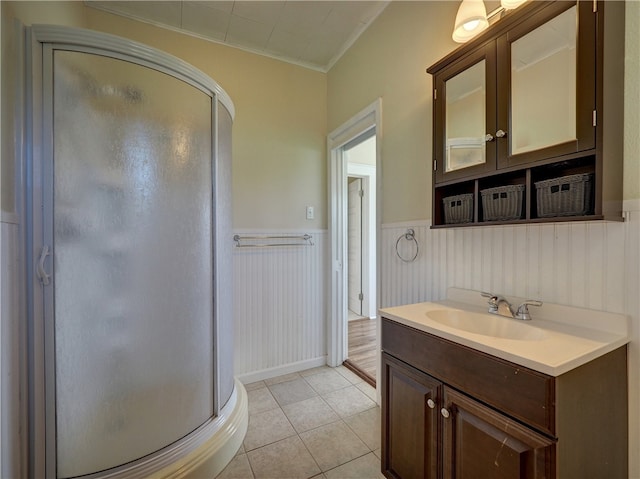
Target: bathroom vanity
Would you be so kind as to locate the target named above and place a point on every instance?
(468, 394)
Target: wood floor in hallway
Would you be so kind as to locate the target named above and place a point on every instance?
(362, 347)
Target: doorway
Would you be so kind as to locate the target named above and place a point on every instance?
(360, 155)
(354, 221)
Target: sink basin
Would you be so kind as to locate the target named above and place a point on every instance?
(487, 325)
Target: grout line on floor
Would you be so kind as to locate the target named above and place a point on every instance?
(331, 382)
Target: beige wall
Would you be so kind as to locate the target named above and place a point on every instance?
(279, 135)
(389, 61)
(284, 111)
(279, 130)
(632, 102)
(70, 13)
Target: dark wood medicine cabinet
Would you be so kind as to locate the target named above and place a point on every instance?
(536, 97)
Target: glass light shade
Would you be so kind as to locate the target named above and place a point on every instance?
(511, 4)
(470, 20)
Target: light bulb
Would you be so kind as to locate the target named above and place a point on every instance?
(472, 25)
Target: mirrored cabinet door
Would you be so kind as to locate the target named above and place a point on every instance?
(543, 85)
(466, 96)
(465, 103)
(546, 86)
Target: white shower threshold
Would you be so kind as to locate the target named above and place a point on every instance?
(203, 453)
(223, 441)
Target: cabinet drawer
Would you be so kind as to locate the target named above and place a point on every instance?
(520, 392)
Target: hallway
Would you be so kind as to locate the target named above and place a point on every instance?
(362, 347)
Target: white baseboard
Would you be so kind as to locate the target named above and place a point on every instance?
(281, 370)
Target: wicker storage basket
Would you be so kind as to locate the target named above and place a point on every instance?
(458, 209)
(565, 196)
(502, 203)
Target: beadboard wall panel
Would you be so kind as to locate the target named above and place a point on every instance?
(578, 264)
(12, 370)
(279, 306)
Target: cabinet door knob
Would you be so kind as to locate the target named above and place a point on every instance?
(444, 412)
(431, 404)
(488, 137)
(501, 133)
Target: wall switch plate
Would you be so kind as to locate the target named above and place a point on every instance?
(310, 213)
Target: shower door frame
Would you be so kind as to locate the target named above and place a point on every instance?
(42, 41)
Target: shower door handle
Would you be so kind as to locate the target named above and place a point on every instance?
(42, 274)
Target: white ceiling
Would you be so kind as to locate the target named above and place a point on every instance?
(310, 33)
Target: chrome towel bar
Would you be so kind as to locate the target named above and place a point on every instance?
(264, 241)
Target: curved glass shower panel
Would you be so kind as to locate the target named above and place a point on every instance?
(133, 272)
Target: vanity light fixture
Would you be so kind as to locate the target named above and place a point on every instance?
(470, 20)
(472, 17)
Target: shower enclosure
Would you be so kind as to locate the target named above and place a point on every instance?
(129, 259)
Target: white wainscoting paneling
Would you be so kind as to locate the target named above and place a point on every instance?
(593, 265)
(577, 263)
(12, 370)
(279, 307)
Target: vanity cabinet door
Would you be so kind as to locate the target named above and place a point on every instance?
(478, 442)
(410, 399)
(465, 119)
(547, 85)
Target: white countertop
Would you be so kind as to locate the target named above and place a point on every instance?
(572, 336)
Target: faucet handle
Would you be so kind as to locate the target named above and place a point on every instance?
(523, 309)
(493, 301)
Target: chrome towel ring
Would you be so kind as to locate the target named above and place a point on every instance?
(409, 235)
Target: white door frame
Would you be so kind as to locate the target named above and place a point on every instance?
(369, 117)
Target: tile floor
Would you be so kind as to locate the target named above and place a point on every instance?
(319, 423)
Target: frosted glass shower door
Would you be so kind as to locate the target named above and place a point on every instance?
(133, 273)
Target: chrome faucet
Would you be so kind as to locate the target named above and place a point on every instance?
(499, 305)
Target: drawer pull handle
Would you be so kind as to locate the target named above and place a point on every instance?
(431, 404)
(444, 412)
